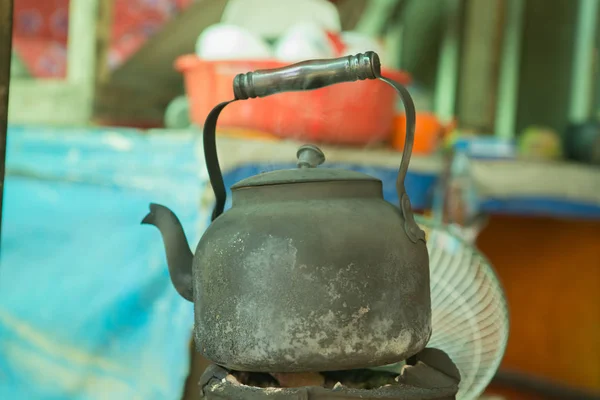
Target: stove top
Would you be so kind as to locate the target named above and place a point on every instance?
(428, 375)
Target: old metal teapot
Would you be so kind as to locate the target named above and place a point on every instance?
(311, 269)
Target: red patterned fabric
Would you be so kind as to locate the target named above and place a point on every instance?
(41, 29)
(40, 35)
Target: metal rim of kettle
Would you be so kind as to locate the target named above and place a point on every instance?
(310, 75)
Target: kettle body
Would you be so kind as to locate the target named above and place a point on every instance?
(298, 283)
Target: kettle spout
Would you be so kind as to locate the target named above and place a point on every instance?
(179, 255)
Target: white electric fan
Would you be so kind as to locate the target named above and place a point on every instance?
(469, 312)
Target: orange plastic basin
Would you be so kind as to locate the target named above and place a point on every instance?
(347, 113)
(429, 133)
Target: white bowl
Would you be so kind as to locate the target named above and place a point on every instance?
(230, 42)
(304, 41)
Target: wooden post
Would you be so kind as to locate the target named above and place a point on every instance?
(447, 72)
(81, 53)
(6, 12)
(479, 65)
(510, 63)
(62, 101)
(104, 23)
(580, 107)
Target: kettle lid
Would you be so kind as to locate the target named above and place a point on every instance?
(309, 157)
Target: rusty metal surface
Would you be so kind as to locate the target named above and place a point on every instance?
(6, 11)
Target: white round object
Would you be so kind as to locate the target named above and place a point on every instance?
(271, 18)
(230, 42)
(304, 41)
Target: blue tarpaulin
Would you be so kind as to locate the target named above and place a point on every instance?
(87, 310)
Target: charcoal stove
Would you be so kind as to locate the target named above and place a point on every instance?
(428, 375)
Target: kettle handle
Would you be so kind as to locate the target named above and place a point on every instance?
(310, 75)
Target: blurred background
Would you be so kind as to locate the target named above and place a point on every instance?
(106, 102)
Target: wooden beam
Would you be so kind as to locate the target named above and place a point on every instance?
(139, 91)
(121, 104)
(350, 12)
(582, 80)
(81, 51)
(6, 13)
(104, 25)
(447, 73)
(48, 101)
(508, 82)
(153, 63)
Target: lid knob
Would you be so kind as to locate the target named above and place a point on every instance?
(310, 156)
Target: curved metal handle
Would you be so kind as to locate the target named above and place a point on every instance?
(310, 75)
(306, 75)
